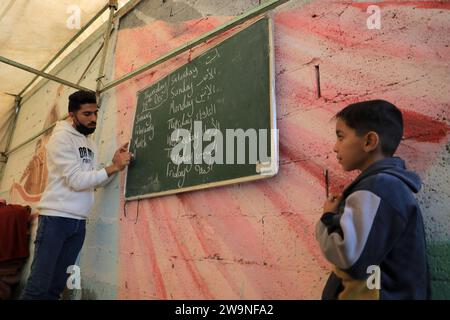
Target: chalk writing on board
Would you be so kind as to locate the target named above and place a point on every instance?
(211, 56)
(208, 122)
(190, 100)
(156, 97)
(144, 129)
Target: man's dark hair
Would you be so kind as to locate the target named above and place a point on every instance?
(379, 116)
(78, 98)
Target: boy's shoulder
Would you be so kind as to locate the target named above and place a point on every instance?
(389, 188)
(381, 181)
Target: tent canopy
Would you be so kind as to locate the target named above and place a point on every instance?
(32, 33)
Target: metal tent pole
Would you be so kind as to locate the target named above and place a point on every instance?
(238, 20)
(8, 152)
(42, 74)
(234, 22)
(16, 114)
(113, 5)
(4, 155)
(87, 25)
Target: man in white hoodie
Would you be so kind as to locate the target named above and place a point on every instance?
(68, 197)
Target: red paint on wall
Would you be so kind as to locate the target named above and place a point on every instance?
(296, 221)
(224, 230)
(161, 210)
(344, 27)
(337, 184)
(417, 4)
(148, 250)
(211, 250)
(420, 127)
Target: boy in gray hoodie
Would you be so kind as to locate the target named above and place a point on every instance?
(373, 232)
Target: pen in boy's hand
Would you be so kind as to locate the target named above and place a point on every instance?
(327, 184)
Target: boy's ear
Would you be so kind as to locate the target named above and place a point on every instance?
(372, 141)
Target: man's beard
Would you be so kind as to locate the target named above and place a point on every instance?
(82, 128)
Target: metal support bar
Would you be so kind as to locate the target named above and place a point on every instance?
(236, 21)
(7, 153)
(90, 63)
(42, 74)
(87, 25)
(4, 155)
(16, 115)
(113, 5)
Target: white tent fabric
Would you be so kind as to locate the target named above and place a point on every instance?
(31, 33)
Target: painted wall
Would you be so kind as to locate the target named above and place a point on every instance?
(256, 240)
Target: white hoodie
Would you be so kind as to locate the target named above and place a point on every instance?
(72, 174)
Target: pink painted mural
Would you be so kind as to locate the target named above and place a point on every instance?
(256, 240)
(34, 179)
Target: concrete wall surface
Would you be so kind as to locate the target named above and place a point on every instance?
(253, 240)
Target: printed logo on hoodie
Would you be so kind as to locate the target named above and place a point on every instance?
(86, 154)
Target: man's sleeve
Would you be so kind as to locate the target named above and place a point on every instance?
(361, 235)
(107, 181)
(64, 159)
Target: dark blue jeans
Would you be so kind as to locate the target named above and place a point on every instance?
(57, 245)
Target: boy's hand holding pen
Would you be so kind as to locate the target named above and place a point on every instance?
(333, 200)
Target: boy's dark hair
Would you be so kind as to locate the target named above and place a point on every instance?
(379, 116)
(78, 98)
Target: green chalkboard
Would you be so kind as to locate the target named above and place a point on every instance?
(229, 89)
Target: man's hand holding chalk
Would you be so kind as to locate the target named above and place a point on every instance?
(124, 148)
(120, 160)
